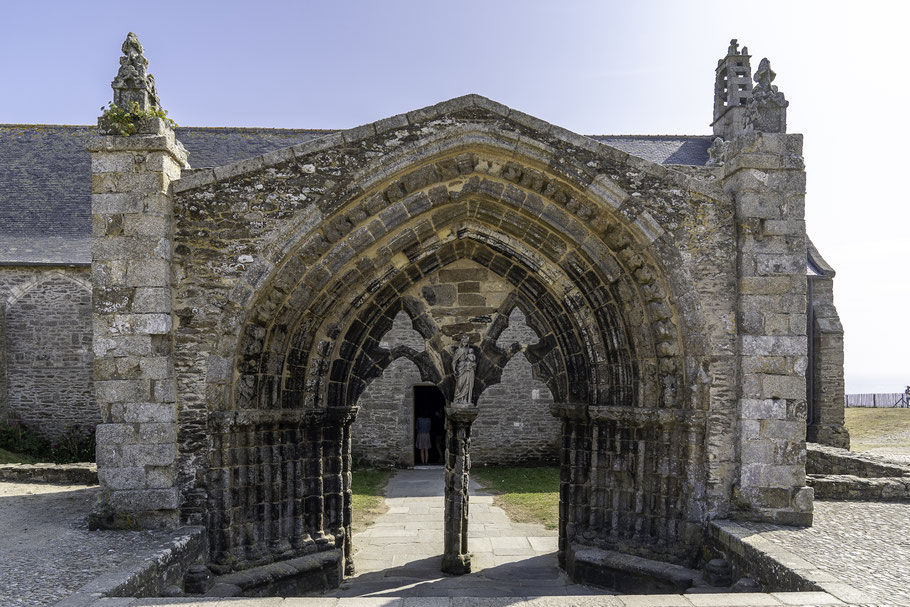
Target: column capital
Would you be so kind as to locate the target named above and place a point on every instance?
(462, 413)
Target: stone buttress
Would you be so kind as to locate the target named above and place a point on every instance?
(133, 326)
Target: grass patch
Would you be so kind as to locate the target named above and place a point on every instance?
(367, 486)
(528, 495)
(8, 457)
(874, 427)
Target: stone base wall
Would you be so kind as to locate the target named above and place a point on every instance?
(46, 343)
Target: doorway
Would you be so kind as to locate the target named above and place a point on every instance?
(429, 404)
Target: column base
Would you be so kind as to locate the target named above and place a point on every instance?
(458, 564)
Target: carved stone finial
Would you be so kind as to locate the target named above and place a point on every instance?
(133, 83)
(767, 112)
(717, 153)
(734, 47)
(764, 75)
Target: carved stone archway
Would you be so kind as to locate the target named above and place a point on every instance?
(288, 268)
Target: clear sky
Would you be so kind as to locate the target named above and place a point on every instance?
(642, 67)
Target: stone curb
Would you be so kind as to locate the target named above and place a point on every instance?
(149, 576)
(62, 474)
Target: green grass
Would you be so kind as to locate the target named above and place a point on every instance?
(528, 495)
(873, 427)
(8, 457)
(367, 486)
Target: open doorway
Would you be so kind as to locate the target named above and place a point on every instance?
(429, 414)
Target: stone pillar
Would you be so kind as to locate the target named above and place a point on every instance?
(337, 480)
(4, 386)
(133, 325)
(348, 494)
(455, 557)
(574, 465)
(826, 380)
(764, 174)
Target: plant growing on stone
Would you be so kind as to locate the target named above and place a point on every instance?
(125, 122)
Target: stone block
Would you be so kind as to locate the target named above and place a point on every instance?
(143, 412)
(162, 454)
(122, 478)
(143, 500)
(141, 324)
(151, 300)
(148, 273)
(765, 345)
(122, 390)
(154, 433)
(122, 345)
(766, 408)
(115, 434)
(783, 387)
(767, 265)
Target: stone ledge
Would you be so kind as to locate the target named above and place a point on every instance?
(61, 474)
(776, 567)
(854, 488)
(148, 577)
(825, 460)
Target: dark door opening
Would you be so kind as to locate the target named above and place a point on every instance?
(429, 414)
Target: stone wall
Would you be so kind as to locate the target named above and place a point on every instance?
(827, 376)
(514, 424)
(46, 343)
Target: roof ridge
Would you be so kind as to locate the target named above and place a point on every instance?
(630, 135)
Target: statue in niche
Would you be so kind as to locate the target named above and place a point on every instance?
(464, 363)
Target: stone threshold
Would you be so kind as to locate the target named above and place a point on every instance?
(148, 577)
(774, 599)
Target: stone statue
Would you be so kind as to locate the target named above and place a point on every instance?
(464, 363)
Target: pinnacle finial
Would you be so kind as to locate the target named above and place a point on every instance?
(133, 83)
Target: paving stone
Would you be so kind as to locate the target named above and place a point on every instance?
(742, 599)
(654, 600)
(806, 598)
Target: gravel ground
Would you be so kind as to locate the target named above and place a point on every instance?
(46, 549)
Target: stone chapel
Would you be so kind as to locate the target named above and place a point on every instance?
(248, 314)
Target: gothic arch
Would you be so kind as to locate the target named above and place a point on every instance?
(299, 333)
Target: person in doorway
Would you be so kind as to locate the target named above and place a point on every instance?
(439, 434)
(423, 438)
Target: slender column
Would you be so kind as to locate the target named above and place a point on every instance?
(455, 558)
(347, 494)
(337, 479)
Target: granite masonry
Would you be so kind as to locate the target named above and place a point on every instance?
(637, 310)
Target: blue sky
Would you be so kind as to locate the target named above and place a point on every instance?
(593, 67)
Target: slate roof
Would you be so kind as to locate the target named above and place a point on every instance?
(45, 178)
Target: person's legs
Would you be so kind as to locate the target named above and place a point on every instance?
(424, 455)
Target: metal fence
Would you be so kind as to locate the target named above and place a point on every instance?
(888, 399)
